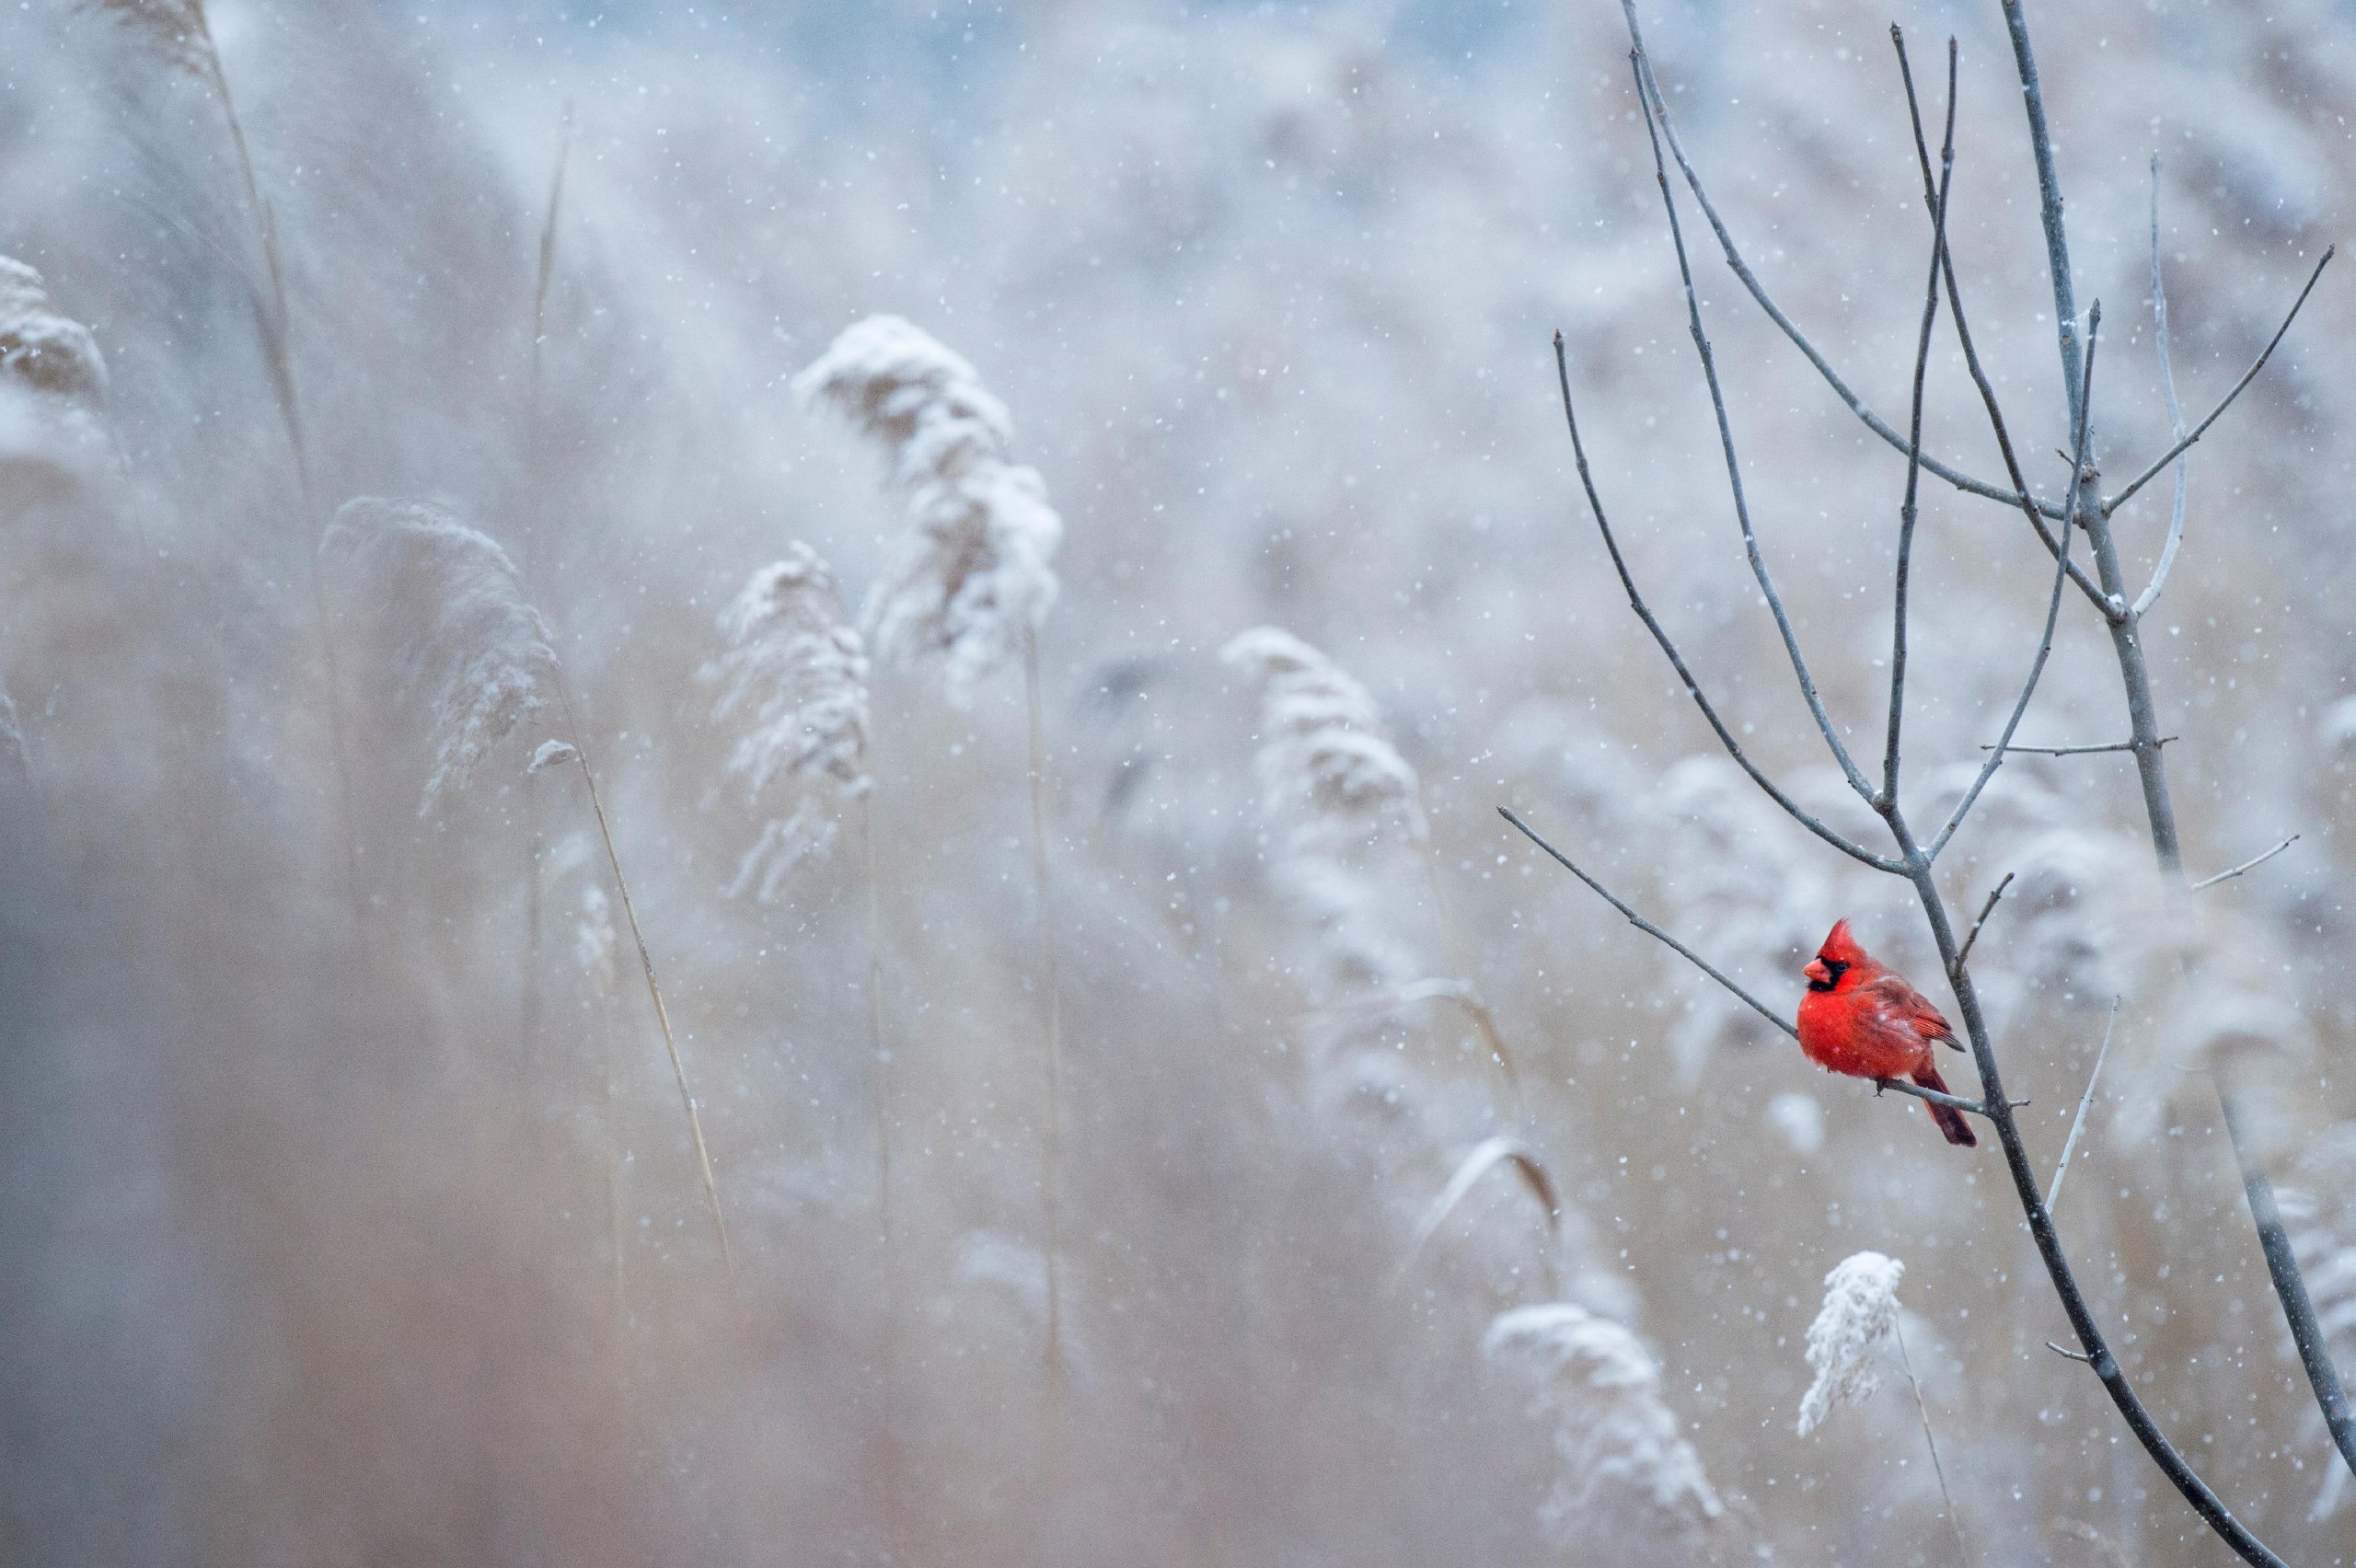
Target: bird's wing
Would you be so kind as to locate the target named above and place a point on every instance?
(1905, 1006)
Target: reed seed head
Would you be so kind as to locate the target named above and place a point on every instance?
(468, 644)
(976, 575)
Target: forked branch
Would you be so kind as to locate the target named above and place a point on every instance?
(2173, 453)
(1750, 281)
(1668, 645)
(2037, 511)
(1734, 463)
(2150, 594)
(1908, 511)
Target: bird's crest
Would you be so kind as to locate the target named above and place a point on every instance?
(1840, 947)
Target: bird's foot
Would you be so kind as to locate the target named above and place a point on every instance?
(1880, 1084)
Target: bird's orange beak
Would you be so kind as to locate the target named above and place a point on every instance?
(1817, 971)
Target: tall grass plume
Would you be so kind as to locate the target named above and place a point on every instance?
(976, 575)
(468, 644)
(1618, 1443)
(968, 588)
(795, 669)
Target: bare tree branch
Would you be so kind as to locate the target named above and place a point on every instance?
(2246, 865)
(1687, 953)
(2282, 1264)
(1963, 955)
(1669, 646)
(2081, 751)
(2173, 453)
(2136, 676)
(1766, 302)
(2150, 594)
(2035, 511)
(1936, 1097)
(1907, 510)
(2052, 615)
(1734, 465)
(2070, 1144)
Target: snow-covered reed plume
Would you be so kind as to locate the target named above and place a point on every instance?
(1617, 1440)
(175, 29)
(1339, 805)
(469, 645)
(52, 379)
(1860, 1311)
(41, 349)
(975, 576)
(798, 672)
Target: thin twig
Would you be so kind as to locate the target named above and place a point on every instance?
(2085, 1101)
(2077, 1355)
(1935, 1096)
(1669, 646)
(1963, 1555)
(2052, 616)
(2150, 594)
(2079, 751)
(1695, 959)
(1766, 302)
(2246, 865)
(1908, 511)
(1734, 467)
(1898, 1086)
(2173, 453)
(1964, 954)
(887, 1376)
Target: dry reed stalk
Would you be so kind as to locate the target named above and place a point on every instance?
(1049, 966)
(888, 1372)
(593, 946)
(1962, 1553)
(533, 836)
(180, 35)
(471, 643)
(548, 265)
(1860, 1311)
(653, 991)
(795, 668)
(970, 584)
(1484, 1157)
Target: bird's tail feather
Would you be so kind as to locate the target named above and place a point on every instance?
(1950, 1120)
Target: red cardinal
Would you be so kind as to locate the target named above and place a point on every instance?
(1861, 1018)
